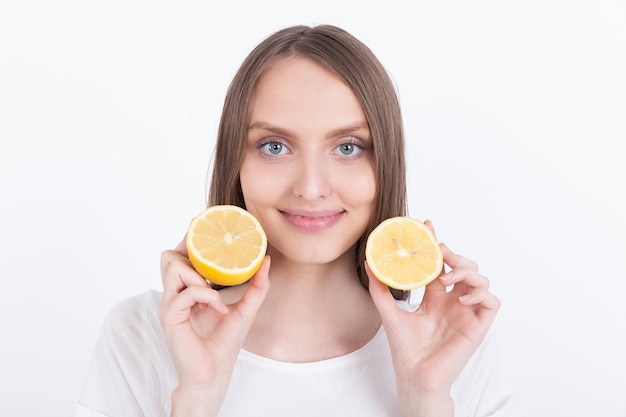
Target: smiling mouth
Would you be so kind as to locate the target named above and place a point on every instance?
(313, 223)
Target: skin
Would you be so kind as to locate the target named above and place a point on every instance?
(307, 134)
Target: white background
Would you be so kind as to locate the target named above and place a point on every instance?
(515, 121)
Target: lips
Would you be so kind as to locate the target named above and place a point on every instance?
(314, 221)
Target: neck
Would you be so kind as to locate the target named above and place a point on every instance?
(313, 312)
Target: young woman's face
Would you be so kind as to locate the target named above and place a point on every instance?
(308, 173)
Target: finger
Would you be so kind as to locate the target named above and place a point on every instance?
(428, 223)
(481, 296)
(456, 261)
(169, 255)
(433, 289)
(177, 309)
(180, 275)
(432, 229)
(434, 293)
(469, 277)
(255, 292)
(382, 297)
(436, 285)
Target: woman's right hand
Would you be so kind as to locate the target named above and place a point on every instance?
(203, 335)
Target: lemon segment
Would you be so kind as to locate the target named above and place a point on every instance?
(226, 244)
(403, 253)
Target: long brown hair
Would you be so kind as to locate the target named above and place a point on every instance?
(358, 67)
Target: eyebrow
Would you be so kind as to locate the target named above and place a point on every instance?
(344, 130)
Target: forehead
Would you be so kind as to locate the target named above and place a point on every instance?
(298, 90)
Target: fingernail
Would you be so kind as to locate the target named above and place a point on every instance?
(465, 297)
(447, 277)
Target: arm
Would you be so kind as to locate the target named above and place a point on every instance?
(431, 346)
(203, 335)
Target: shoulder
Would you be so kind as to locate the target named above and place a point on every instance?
(130, 372)
(132, 324)
(136, 307)
(134, 311)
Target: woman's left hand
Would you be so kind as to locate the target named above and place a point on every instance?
(431, 346)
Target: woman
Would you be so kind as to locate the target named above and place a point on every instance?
(311, 143)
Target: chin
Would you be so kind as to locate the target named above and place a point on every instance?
(308, 254)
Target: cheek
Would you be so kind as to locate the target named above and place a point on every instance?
(260, 183)
(362, 185)
(250, 182)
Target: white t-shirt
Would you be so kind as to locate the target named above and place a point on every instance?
(131, 375)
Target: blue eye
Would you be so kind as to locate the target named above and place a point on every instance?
(272, 148)
(349, 149)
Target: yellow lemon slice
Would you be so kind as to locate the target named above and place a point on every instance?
(403, 253)
(226, 244)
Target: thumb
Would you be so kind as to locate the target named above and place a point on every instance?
(383, 300)
(255, 293)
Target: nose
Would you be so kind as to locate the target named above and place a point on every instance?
(312, 180)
